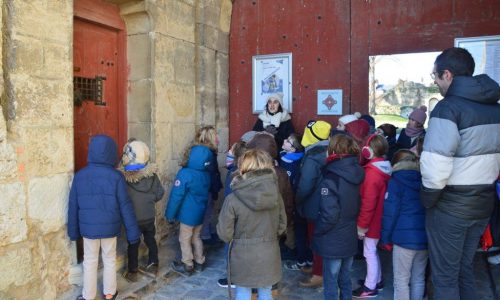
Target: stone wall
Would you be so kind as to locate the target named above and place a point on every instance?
(36, 147)
(178, 62)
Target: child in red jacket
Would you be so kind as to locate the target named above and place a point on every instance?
(377, 174)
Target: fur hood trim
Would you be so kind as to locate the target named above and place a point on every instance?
(136, 176)
(406, 165)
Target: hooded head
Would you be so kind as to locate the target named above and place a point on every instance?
(102, 150)
(419, 114)
(135, 155)
(315, 131)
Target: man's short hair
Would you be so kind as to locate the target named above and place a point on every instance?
(456, 60)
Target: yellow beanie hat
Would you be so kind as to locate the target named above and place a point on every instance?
(315, 131)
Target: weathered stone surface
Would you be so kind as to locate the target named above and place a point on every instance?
(206, 106)
(139, 56)
(184, 62)
(206, 68)
(48, 151)
(180, 99)
(56, 107)
(8, 162)
(163, 139)
(176, 20)
(45, 192)
(16, 267)
(139, 101)
(182, 135)
(13, 227)
(36, 19)
(226, 9)
(137, 23)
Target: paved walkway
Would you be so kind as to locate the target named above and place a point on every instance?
(171, 286)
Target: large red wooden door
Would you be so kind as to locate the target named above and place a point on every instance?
(95, 57)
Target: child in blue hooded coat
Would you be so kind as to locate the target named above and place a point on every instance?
(403, 225)
(187, 204)
(98, 205)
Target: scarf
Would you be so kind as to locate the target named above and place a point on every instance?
(413, 132)
(268, 119)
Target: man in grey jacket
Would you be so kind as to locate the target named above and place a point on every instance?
(459, 165)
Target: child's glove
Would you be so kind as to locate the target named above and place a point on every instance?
(386, 247)
(362, 232)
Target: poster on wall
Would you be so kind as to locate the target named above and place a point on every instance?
(486, 53)
(271, 74)
(329, 102)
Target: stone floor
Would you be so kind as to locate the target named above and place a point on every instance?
(203, 286)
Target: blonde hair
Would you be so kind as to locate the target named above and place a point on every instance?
(207, 136)
(253, 160)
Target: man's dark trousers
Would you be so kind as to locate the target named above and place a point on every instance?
(452, 244)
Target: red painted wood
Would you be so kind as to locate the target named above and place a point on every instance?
(99, 49)
(347, 33)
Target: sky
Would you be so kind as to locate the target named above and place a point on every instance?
(414, 67)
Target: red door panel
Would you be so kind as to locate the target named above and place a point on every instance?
(95, 53)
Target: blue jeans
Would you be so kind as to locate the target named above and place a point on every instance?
(337, 275)
(244, 293)
(452, 244)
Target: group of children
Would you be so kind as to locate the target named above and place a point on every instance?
(316, 196)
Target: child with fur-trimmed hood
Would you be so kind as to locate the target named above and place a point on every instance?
(145, 189)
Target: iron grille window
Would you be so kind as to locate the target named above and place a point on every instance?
(88, 89)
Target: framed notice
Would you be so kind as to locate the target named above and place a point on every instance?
(271, 74)
(486, 53)
(329, 102)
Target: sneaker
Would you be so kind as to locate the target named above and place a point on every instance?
(294, 265)
(364, 292)
(379, 287)
(182, 268)
(494, 260)
(152, 268)
(223, 283)
(313, 282)
(131, 276)
(109, 296)
(198, 267)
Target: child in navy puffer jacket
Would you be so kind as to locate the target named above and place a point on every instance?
(403, 224)
(187, 204)
(98, 204)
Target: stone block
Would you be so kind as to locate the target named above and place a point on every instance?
(206, 107)
(176, 20)
(139, 101)
(137, 23)
(213, 38)
(44, 192)
(36, 19)
(8, 161)
(222, 72)
(223, 133)
(26, 56)
(42, 102)
(184, 62)
(3, 123)
(139, 56)
(163, 143)
(49, 150)
(180, 99)
(57, 63)
(182, 135)
(226, 9)
(208, 13)
(13, 227)
(206, 68)
(16, 267)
